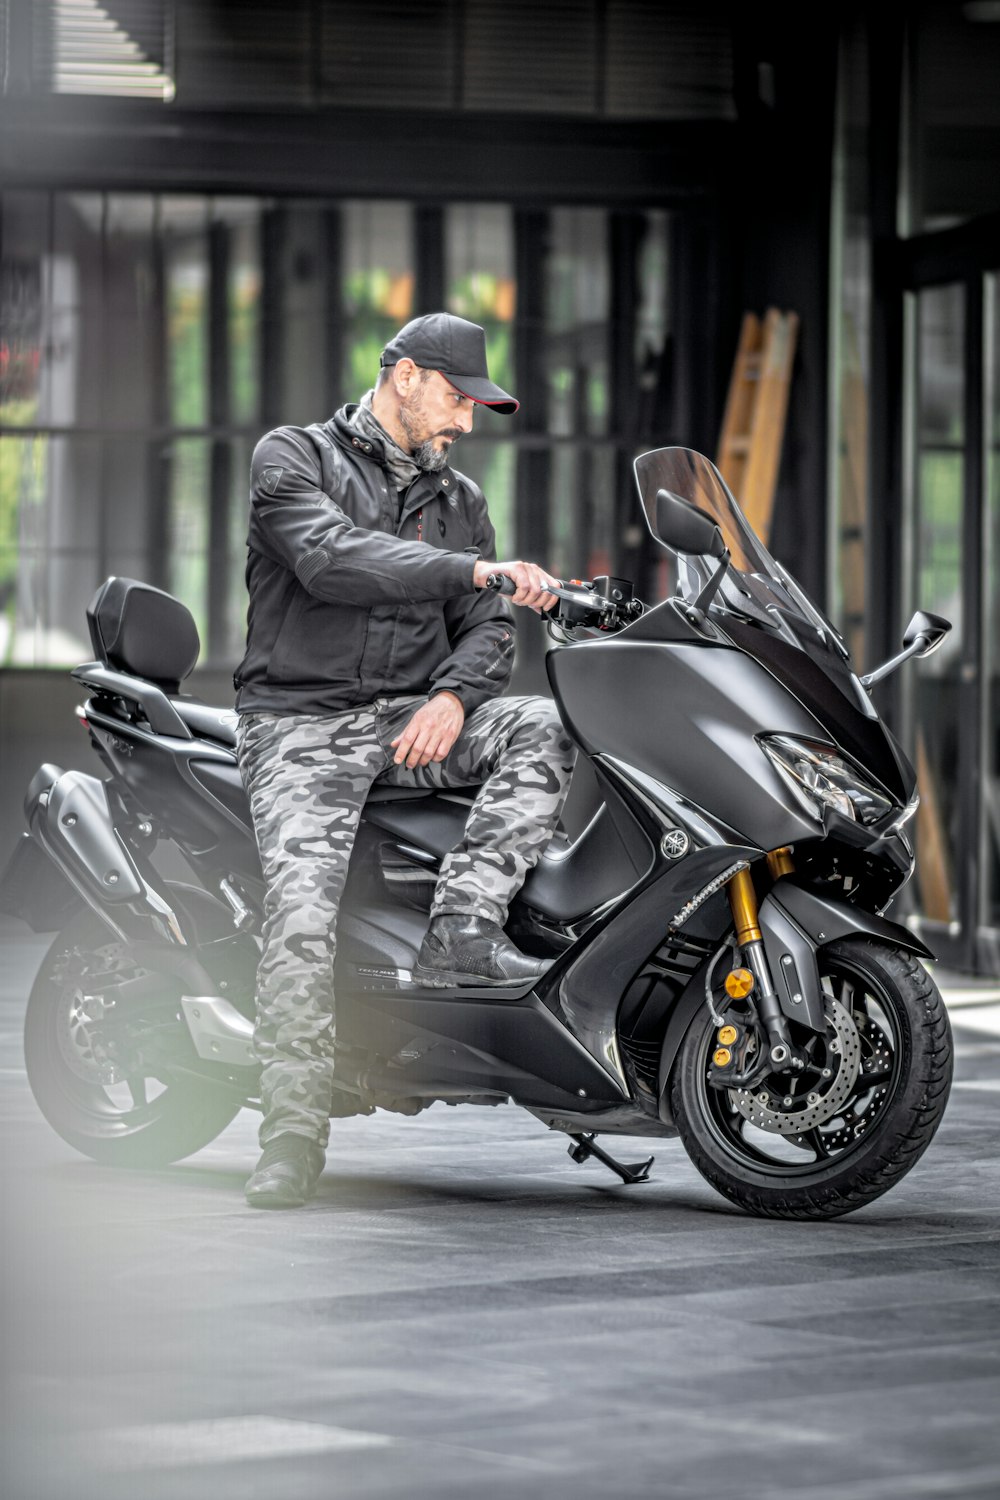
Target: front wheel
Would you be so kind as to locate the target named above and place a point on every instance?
(820, 1146)
(98, 1040)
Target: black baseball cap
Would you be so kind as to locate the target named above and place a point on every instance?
(455, 347)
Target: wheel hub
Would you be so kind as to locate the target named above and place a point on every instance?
(81, 1052)
(82, 1012)
(770, 1109)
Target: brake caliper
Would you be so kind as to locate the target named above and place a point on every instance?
(738, 1060)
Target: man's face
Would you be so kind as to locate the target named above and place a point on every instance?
(434, 415)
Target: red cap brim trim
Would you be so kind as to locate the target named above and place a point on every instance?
(509, 402)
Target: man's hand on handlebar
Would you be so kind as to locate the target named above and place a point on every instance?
(531, 584)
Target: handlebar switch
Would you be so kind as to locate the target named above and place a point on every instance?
(618, 590)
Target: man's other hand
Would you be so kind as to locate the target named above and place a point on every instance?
(533, 582)
(431, 732)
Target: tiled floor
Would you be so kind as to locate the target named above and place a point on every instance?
(465, 1313)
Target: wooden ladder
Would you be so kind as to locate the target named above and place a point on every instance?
(754, 423)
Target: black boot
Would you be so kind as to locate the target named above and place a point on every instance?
(287, 1173)
(466, 949)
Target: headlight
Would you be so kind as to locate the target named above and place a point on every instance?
(820, 777)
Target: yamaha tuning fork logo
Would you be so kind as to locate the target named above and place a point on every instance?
(675, 843)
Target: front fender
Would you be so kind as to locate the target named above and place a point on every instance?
(795, 922)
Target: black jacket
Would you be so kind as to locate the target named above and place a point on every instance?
(346, 602)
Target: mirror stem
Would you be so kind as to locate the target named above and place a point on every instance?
(914, 649)
(708, 593)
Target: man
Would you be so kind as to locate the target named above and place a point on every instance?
(374, 652)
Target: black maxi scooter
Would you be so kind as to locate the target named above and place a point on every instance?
(723, 968)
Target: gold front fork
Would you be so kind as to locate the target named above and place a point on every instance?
(743, 897)
(743, 905)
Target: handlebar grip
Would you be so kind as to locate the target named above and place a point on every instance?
(500, 583)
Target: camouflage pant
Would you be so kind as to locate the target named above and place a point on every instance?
(307, 776)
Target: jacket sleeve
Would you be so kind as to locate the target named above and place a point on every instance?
(297, 524)
(481, 631)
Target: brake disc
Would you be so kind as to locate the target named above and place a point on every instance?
(815, 1108)
(79, 1018)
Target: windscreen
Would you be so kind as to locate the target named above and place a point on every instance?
(755, 586)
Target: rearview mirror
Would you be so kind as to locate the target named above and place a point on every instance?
(685, 528)
(924, 634)
(932, 628)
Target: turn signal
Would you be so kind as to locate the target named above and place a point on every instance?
(722, 1057)
(727, 1035)
(739, 983)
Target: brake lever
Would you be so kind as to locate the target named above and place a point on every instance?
(583, 595)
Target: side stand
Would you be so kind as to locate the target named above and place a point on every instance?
(586, 1146)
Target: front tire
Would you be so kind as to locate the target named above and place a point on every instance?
(107, 1100)
(889, 1025)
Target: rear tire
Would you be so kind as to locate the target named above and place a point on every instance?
(137, 1118)
(901, 1029)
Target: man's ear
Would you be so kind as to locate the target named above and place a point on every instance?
(405, 376)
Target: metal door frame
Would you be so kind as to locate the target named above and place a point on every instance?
(962, 256)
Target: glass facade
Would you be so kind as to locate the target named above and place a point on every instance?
(912, 462)
(991, 663)
(937, 561)
(379, 279)
(850, 331)
(147, 341)
(577, 373)
(481, 285)
(129, 328)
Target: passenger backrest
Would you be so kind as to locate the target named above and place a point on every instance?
(138, 629)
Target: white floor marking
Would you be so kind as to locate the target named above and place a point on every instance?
(225, 1440)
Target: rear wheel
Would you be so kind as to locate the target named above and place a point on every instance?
(99, 1058)
(817, 1146)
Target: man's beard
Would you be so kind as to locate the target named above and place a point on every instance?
(429, 458)
(424, 455)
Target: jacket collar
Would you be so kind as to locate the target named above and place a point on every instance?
(426, 486)
(401, 465)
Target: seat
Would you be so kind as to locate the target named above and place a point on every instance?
(208, 723)
(571, 878)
